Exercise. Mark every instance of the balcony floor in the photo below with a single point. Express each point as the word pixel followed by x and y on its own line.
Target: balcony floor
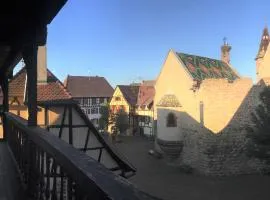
pixel 10 187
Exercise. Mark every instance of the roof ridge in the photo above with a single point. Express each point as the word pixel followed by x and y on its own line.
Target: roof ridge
pixel 64 89
pixel 18 73
pixel 96 76
pixel 199 56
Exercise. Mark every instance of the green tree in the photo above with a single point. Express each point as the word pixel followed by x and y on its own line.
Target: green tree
pixel 259 133
pixel 104 118
pixel 121 121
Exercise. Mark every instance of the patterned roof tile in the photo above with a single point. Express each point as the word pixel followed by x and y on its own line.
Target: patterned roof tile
pixel 201 67
pixel 169 100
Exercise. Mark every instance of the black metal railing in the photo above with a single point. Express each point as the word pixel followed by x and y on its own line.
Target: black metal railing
pixel 52 169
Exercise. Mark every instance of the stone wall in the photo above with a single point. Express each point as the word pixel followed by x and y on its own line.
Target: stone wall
pixel 224 153
pixel 219 155
pixel 221 100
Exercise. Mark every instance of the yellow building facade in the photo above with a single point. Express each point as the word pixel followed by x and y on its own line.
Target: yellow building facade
pixel 124 98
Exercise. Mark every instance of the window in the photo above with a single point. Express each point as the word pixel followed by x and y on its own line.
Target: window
pixel 147 119
pixel 94 110
pixel 88 111
pixel 94 101
pixel 113 108
pixel 171 120
pixel 142 119
pixel 97 99
pixel 101 100
pixel 84 110
pixel 85 101
pixel 122 108
pixel 117 98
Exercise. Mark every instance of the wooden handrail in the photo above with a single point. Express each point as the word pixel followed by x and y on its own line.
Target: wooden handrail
pixel 92 178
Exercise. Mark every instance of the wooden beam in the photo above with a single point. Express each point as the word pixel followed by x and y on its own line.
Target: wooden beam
pixel 87 140
pixel 70 132
pixel 62 122
pixel 46 118
pixel 30 59
pixel 67 126
pixel 4 85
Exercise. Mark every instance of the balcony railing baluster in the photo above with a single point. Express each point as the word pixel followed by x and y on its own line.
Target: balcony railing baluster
pixel 51 169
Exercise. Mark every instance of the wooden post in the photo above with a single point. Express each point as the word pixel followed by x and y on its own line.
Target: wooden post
pixel 46 118
pixel 4 85
pixel 30 58
pixel 70 135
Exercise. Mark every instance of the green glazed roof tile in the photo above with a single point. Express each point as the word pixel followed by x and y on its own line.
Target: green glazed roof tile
pixel 201 67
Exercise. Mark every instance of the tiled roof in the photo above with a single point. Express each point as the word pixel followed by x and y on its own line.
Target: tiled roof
pixel 54 90
pixel 17 84
pixel 146 95
pixel 88 86
pixel 201 67
pixel 130 92
pixel 169 100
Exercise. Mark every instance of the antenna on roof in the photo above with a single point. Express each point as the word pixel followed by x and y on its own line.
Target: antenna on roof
pixel 89 74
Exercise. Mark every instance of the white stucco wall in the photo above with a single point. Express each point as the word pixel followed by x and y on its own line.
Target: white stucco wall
pixel 164 132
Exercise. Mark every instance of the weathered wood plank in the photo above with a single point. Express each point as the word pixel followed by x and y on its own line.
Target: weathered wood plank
pixel 10 186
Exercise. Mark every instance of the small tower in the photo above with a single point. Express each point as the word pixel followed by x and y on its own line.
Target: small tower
pixel 225 51
pixel 261 71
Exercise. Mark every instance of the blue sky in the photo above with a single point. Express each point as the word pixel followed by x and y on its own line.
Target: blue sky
pixel 127 41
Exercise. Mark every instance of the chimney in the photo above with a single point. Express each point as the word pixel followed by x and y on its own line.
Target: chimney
pixel 225 51
pixel 42 65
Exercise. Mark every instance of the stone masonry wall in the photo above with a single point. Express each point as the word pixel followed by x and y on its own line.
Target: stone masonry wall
pixel 223 153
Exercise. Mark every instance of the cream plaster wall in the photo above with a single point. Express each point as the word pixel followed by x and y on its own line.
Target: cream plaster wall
pixel 221 101
pixel 263 66
pixel 122 102
pixel 164 132
pixel 175 79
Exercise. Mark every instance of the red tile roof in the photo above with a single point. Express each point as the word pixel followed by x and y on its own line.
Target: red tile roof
pixel 88 86
pixel 17 84
pixel 146 94
pixel 53 91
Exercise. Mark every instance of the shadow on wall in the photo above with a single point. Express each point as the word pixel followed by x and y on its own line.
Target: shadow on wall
pixel 191 143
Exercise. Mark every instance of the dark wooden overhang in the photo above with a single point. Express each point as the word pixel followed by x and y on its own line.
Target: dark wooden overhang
pixel 23 22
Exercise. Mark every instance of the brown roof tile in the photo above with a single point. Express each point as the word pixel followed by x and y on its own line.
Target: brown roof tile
pixel 17 84
pixel 54 90
pixel 130 93
pixel 146 95
pixel 88 86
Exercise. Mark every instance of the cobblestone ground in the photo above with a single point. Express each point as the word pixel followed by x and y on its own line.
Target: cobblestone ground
pixel 168 182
